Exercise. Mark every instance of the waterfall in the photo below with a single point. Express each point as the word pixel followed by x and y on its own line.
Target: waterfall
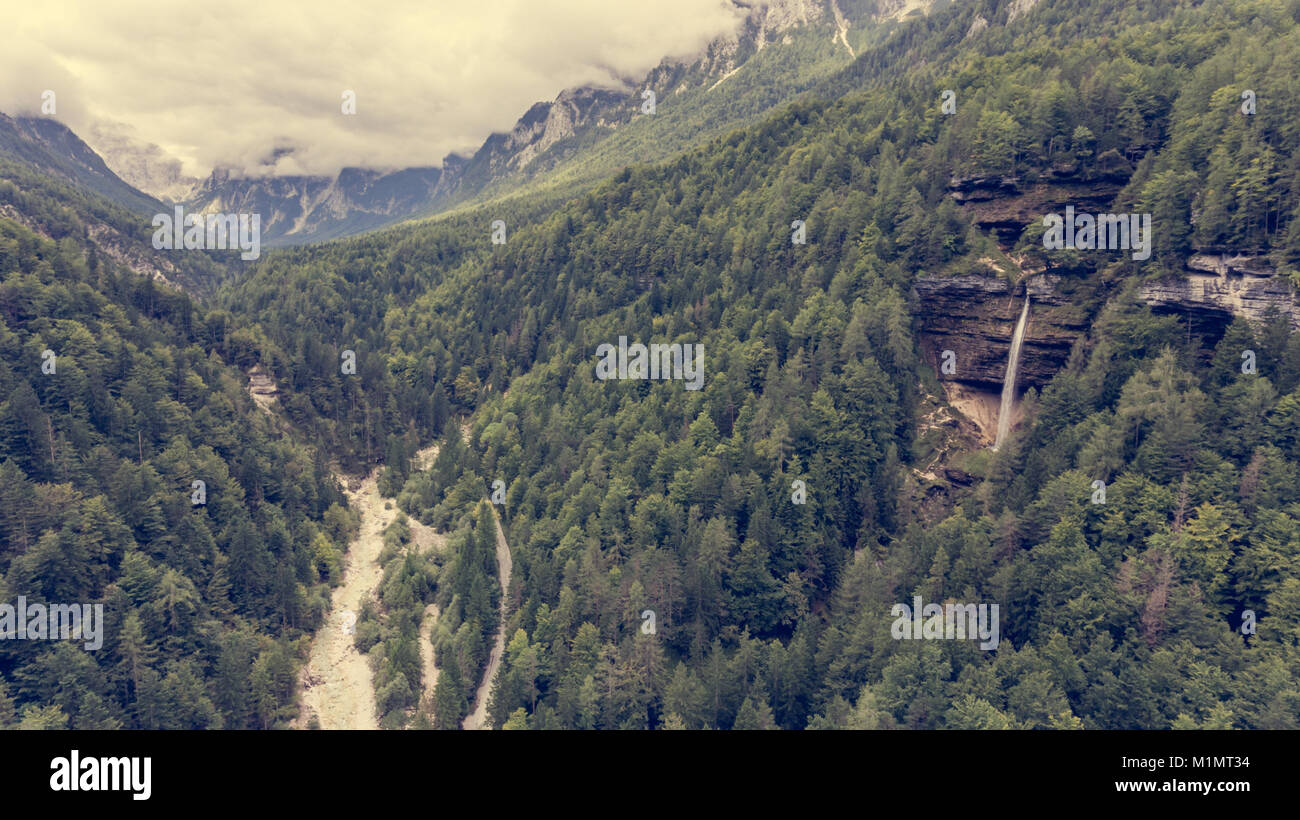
pixel 1009 383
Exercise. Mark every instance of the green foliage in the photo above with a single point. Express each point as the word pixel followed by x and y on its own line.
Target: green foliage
pixel 390 632
pixel 623 497
pixel 203 604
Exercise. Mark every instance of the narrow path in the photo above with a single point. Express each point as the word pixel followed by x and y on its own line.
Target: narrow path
pixel 477 719
pixel 427 539
pixel 426 657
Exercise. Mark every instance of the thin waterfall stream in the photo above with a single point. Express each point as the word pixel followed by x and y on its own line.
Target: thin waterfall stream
pixel 1009 383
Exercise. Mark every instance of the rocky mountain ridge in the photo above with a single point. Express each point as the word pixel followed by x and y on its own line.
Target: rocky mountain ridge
pixel 48 146
pixel 313 208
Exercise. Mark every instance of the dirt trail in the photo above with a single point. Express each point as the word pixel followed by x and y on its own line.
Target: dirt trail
pixel 477 719
pixel 337 684
pixel 424 539
pixel 426 656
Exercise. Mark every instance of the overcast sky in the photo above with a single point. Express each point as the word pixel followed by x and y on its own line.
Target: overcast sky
pixel 222 84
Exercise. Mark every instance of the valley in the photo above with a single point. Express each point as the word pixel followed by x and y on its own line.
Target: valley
pixel 337 687
pixel 927 392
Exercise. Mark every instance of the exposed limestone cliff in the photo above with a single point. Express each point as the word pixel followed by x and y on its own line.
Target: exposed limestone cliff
pixel 1006 205
pixel 1217 287
pixel 975 316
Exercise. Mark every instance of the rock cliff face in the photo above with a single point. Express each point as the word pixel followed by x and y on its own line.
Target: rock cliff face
pixel 307 208
pixel 1006 205
pixel 141 164
pixel 573 113
pixel 1217 287
pixel 975 317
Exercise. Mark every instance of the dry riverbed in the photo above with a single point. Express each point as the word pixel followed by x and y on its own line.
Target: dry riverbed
pixel 337 683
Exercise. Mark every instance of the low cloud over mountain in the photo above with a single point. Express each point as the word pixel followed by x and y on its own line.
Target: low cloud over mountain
pixel 220 86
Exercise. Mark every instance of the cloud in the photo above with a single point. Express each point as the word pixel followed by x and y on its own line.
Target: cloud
pixel 225 84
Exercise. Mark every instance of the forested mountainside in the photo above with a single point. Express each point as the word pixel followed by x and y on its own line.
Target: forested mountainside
pixel 586 134
pixel 49 147
pixel 117 395
pixel 849 270
pixel 80 218
pixel 626 497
